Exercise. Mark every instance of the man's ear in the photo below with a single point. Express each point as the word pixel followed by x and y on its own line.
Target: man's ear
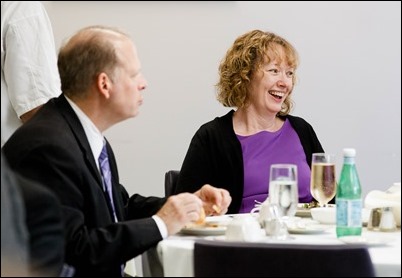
pixel 104 84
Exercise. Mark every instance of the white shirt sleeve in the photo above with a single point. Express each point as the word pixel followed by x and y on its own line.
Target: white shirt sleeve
pixel 30 64
pixel 161 226
pixel 30 76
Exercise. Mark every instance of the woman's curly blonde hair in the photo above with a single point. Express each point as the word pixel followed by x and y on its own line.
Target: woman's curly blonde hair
pixel 247 55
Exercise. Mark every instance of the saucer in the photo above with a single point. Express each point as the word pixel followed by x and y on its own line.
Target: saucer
pixel 361 240
pixel 204 231
pixel 308 230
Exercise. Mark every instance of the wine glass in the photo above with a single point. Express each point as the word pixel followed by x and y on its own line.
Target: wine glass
pixel 323 182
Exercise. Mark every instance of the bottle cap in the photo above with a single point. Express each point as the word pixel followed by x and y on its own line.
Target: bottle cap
pixel 349 152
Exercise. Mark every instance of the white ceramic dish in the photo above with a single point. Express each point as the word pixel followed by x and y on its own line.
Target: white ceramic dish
pixel 361 240
pixel 221 220
pixel 243 228
pixel 308 230
pixel 204 231
pixel 324 215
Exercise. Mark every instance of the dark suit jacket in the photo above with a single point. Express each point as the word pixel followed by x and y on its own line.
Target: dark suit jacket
pixel 52 148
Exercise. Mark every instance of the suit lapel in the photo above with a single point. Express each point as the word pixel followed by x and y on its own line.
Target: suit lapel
pixel 79 133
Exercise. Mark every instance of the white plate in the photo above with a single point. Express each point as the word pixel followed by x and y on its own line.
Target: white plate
pixel 204 231
pixel 371 241
pixel 308 230
pixel 220 220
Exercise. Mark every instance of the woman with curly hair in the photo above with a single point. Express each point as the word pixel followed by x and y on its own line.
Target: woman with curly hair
pixel 235 151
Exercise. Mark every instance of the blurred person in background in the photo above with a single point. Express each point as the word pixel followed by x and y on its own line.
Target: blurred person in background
pixel 14 232
pixel 32 230
pixel 235 151
pixel 29 78
pixel 63 147
pixel 29 75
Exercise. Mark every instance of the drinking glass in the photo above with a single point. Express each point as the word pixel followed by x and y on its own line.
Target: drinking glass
pixel 323 182
pixel 283 199
pixel 283 191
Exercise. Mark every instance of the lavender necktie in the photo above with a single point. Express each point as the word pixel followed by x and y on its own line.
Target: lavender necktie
pixel 107 185
pixel 107 178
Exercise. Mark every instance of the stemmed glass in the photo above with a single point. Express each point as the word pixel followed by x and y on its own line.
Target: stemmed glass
pixel 283 198
pixel 323 182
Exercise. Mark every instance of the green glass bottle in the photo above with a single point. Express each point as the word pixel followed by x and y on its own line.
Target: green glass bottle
pixel 348 198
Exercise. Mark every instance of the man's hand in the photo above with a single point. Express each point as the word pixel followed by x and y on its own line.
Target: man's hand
pixel 215 200
pixel 180 210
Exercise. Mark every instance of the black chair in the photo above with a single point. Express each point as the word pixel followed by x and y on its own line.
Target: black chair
pixel 246 259
pixel 171 178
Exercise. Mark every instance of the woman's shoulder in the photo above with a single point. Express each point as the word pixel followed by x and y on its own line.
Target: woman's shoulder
pixel 219 122
pixel 218 127
pixel 297 121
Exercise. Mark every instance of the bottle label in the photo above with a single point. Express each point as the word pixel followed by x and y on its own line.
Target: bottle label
pixel 348 213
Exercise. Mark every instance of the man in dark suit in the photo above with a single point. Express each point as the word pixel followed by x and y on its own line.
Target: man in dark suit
pixel 60 146
pixel 32 235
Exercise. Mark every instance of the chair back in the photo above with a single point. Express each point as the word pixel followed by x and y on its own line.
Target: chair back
pixel 247 259
pixel 171 178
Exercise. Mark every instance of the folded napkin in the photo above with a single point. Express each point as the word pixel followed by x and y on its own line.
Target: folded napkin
pixel 389 198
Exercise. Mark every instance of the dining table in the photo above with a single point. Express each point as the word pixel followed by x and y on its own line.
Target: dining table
pixel 173 256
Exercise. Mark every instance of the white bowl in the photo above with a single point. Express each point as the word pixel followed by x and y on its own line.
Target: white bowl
pixel 326 215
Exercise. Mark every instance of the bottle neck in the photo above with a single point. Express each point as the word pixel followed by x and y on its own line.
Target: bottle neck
pixel 348 160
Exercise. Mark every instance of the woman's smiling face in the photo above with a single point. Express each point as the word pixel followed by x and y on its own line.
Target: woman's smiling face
pixel 270 85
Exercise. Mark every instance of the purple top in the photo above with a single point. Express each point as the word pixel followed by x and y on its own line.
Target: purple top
pixel 264 148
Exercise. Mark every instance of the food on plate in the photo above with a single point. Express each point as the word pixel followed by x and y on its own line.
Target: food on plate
pixel 201 219
pixel 216 208
pixel 204 222
pixel 310 205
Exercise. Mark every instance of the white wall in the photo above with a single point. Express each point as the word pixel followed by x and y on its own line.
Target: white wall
pixel 349 80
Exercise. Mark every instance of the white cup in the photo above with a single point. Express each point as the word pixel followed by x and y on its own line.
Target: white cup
pixel 243 228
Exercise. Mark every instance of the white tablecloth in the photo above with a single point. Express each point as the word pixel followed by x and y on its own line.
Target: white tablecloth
pixel 173 256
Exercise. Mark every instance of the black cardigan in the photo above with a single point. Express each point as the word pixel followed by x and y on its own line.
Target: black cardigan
pixel 215 157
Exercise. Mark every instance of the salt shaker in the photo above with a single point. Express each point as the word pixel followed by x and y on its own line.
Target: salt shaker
pixel 387 222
